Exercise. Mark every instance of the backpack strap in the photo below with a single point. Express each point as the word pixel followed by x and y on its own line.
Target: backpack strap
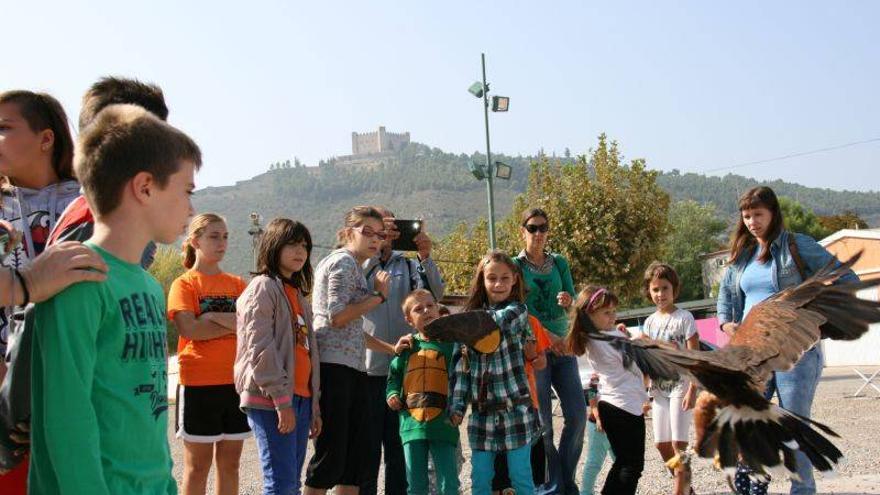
pixel 796 256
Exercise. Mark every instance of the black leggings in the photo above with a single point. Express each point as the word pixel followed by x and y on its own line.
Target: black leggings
pixel 626 434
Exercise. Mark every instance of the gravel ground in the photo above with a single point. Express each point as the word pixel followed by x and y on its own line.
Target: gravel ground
pixel 857 420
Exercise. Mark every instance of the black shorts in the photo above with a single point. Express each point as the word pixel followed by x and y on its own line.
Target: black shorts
pixel 341 446
pixel 210 413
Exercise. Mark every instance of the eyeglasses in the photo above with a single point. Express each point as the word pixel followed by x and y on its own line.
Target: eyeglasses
pixel 370 234
pixel 533 228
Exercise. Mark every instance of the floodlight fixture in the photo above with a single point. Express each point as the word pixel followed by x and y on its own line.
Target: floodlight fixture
pixel 503 170
pixel 477 170
pixel 500 103
pixel 477 89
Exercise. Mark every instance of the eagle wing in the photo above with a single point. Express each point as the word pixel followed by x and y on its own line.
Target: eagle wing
pixel 779 330
pixel 474 328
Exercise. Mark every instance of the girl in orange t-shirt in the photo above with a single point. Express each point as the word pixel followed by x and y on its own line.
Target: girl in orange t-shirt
pixel 201 303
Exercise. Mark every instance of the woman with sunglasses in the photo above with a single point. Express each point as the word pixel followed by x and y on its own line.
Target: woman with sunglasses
pixel 341 299
pixel 550 291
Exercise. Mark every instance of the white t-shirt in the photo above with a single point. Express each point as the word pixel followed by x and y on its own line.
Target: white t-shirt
pixel 621 387
pixel 676 327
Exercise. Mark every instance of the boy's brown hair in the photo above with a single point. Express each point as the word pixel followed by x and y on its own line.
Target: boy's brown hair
pixel 410 300
pixel 123 141
pixel 117 90
pixel 662 271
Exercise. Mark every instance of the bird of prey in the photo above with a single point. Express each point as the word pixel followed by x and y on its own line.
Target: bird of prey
pixel 474 328
pixel 732 420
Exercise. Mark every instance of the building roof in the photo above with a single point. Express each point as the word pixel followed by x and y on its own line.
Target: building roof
pixel 871 234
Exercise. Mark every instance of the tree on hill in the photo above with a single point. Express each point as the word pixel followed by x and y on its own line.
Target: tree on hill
pixel 801 219
pixel 846 220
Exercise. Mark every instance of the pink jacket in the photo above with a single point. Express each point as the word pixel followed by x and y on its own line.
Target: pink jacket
pixel 264 358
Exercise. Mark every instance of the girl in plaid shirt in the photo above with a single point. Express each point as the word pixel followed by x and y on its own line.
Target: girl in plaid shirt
pixel 503 419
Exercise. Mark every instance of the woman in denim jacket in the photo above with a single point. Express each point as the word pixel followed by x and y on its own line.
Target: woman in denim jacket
pixel 765 259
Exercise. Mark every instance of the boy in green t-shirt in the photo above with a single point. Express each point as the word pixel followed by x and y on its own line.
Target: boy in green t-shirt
pixel 99 390
pixel 418 387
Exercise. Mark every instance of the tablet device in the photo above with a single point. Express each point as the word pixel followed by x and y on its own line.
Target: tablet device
pixel 408 229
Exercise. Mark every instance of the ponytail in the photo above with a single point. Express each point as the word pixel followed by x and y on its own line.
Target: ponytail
pixel 189 254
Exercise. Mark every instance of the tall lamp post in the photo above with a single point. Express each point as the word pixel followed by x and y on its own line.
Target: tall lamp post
pixel 489 170
pixel 255 231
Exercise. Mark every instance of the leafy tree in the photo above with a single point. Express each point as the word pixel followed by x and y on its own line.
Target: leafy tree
pixel 167 266
pixel 695 230
pixel 846 220
pixel 802 220
pixel 296 162
pixel 608 219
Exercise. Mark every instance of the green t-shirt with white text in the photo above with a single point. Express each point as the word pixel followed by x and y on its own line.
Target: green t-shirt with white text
pixel 99 387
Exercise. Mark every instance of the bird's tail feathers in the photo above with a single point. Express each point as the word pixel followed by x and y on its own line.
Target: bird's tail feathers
pixel 766 440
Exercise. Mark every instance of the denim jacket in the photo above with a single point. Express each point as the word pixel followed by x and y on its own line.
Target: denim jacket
pixel 731 298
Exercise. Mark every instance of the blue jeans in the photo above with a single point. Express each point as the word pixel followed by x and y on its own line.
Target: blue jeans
pixel 796 389
pixel 598 449
pixel 519 465
pixel 562 374
pixel 281 456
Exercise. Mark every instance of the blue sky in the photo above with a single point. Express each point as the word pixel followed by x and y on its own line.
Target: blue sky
pixel 688 85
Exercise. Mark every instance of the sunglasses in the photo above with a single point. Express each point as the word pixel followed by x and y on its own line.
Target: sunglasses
pixel 370 234
pixel 532 228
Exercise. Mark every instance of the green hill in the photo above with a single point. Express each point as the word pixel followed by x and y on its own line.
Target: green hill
pixel 425 182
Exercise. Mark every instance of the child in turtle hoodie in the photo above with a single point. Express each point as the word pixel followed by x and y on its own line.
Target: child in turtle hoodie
pixel 418 387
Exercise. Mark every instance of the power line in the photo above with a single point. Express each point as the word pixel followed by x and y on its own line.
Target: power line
pixel 793 155
pixel 436 260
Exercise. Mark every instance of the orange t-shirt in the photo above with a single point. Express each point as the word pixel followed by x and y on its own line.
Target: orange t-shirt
pixel 205 362
pixel 542 342
pixel 302 372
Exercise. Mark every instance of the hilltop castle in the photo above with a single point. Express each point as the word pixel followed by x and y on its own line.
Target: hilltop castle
pixel 377 142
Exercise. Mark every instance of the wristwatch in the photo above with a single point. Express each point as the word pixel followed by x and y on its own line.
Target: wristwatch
pixel 381 296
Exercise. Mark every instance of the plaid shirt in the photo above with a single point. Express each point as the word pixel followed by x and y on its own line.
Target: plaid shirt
pixel 497 384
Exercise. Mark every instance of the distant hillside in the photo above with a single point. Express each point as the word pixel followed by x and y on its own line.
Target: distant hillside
pixel 426 182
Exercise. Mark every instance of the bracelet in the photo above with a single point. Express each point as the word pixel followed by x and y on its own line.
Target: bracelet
pixel 381 296
pixel 24 287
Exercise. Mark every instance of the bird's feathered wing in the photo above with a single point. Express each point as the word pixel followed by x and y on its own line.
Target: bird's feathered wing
pixel 474 328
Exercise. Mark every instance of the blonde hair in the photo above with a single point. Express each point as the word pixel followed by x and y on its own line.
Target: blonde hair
pixel 196 228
